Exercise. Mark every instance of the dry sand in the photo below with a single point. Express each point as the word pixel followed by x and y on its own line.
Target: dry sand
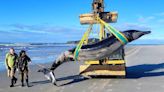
pixel 145 73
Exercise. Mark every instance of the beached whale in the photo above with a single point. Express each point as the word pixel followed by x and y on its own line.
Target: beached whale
pixel 98 50
pixel 104 48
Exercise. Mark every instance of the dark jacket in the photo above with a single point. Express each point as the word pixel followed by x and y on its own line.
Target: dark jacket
pixel 23 62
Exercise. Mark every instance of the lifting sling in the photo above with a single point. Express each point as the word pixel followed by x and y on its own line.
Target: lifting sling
pixel 111 29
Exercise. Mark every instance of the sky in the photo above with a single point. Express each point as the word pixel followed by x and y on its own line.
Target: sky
pixel 24 21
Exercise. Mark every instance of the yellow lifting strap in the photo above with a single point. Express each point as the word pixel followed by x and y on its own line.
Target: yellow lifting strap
pixel 111 29
pixel 114 31
pixel 85 37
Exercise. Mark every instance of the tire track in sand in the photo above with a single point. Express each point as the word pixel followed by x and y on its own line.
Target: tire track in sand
pixel 133 51
pixel 100 86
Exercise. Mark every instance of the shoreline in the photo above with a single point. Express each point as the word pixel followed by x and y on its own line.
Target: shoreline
pixel 145 73
pixel 3 68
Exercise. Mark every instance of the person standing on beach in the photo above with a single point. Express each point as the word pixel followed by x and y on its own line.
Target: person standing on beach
pixel 11 64
pixel 23 66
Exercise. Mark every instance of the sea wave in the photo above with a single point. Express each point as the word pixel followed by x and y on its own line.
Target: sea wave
pixel 39 53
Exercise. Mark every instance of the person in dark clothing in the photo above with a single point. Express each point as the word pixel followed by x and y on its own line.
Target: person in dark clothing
pixel 23 66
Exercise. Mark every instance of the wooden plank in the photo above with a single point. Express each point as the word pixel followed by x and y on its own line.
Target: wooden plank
pixel 92 62
pixel 104 73
pixel 113 62
pixel 92 68
pixel 87 19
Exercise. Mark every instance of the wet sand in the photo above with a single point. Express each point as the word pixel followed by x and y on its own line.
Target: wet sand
pixel 145 73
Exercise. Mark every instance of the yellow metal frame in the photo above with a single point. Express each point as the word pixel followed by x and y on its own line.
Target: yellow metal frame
pixel 102 35
pixel 102 32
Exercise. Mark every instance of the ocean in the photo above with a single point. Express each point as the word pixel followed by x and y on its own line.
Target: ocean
pixel 39 53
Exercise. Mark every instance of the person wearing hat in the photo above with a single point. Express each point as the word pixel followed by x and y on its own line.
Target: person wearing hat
pixel 23 66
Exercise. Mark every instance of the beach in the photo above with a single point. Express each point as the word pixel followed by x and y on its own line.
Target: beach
pixel 145 73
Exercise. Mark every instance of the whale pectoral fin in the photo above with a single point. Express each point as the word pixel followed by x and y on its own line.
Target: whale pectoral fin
pixel 48 74
pixel 44 70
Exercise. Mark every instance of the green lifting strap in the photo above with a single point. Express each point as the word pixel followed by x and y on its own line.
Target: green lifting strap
pixel 114 31
pixel 86 34
pixel 111 29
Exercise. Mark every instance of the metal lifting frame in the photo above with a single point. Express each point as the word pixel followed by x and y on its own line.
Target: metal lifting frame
pixel 103 24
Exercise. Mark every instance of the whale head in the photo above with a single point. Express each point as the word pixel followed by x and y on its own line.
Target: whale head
pixel 134 34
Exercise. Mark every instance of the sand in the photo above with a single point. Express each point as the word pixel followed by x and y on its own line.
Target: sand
pixel 145 73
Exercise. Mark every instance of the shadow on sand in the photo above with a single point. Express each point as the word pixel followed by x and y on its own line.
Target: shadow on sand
pixel 145 70
pixel 74 79
pixel 133 72
pixel 40 82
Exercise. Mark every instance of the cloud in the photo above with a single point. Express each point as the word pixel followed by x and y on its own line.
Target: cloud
pixel 39 28
pixel 33 28
pixel 38 33
pixel 156 19
pixel 146 19
pixel 129 26
pixel 160 14
pixel 160 21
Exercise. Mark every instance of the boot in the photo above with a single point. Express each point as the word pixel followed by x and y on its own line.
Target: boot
pixel 27 83
pixel 14 80
pixel 22 83
pixel 12 83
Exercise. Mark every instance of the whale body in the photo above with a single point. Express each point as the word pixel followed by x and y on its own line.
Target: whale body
pixel 107 46
pixel 95 51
